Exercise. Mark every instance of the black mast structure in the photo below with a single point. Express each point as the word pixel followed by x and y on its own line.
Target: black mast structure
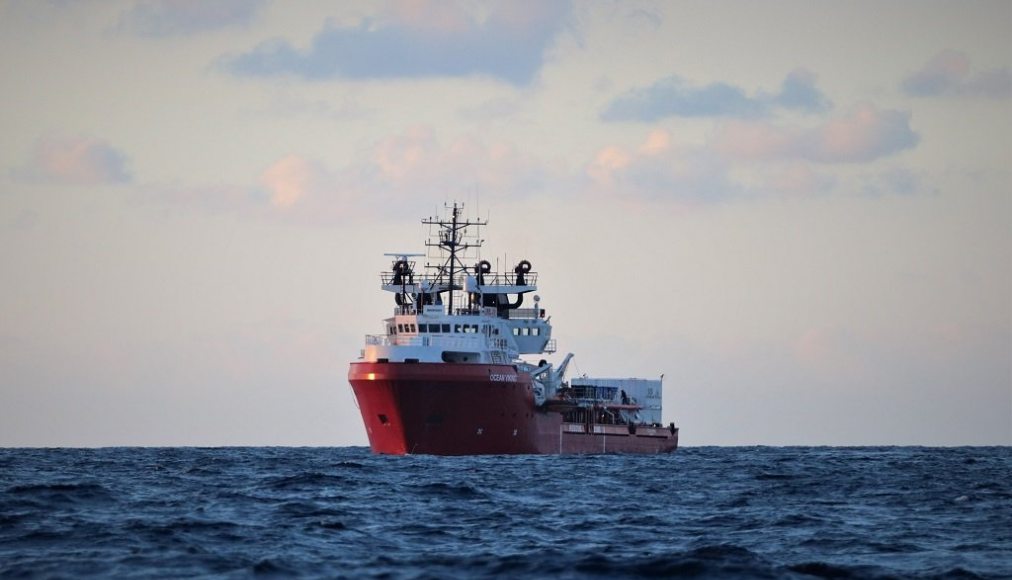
pixel 451 238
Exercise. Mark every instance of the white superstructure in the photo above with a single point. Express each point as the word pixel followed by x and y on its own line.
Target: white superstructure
pixel 452 313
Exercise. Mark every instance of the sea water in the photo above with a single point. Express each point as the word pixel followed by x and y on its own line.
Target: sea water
pixel 762 512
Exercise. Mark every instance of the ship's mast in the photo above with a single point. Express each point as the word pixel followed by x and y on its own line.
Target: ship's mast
pixel 451 238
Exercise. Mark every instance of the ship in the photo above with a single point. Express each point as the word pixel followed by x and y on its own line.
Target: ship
pixel 452 373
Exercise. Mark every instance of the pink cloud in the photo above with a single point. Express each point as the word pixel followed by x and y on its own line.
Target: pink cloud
pixel 607 164
pixel 416 162
pixel 402 174
pixel 658 169
pixel 75 161
pixel 866 134
pixel 657 142
pixel 744 140
pixel 411 154
pixel 290 180
pixel 798 178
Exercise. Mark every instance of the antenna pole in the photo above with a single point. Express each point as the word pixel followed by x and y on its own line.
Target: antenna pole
pixel 453 252
pixel 450 238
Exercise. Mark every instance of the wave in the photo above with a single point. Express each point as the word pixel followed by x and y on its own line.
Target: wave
pixel 704 512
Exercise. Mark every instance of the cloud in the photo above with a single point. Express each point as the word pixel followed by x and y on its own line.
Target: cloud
pixel 659 170
pixel 797 178
pixel 291 179
pixel 894 181
pixel 400 175
pixel 674 97
pixel 419 39
pixel 948 74
pixel 417 163
pixel 866 134
pixel 754 160
pixel 405 173
pixel 75 161
pixel 160 18
pixel 798 92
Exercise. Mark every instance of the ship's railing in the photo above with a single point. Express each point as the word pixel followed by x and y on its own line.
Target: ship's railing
pixel 525 313
pixel 514 314
pixel 390 278
pixel 497 279
pixel 476 341
pixel 551 347
pixel 425 281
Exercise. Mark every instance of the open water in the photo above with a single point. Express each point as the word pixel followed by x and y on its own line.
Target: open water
pixel 756 512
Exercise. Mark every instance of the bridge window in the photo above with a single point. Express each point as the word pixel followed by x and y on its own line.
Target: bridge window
pixel 400 328
pixel 446 328
pixel 423 328
pixel 516 332
pixel 535 331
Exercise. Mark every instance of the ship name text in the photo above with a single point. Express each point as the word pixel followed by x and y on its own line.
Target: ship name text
pixel 502 378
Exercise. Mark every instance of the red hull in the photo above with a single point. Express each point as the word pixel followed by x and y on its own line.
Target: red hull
pixel 475 409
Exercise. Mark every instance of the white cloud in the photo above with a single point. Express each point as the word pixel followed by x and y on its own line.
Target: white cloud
pixel 420 39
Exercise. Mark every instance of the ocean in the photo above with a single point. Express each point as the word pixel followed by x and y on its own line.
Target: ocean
pixel 721 512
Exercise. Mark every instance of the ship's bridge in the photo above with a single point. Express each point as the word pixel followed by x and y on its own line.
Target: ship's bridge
pixel 456 312
pixel 482 336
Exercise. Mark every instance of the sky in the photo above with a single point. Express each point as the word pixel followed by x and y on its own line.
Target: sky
pixel 800 213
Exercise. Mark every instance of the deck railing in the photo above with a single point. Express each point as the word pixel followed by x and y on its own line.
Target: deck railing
pixel 419 282
pixel 472 342
pixel 525 313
